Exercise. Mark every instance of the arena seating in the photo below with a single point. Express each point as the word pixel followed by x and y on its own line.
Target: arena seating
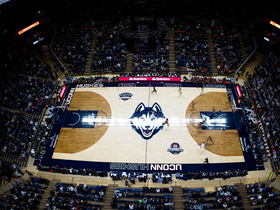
pixel 17 133
pixel 210 175
pixel 227 50
pixel 110 53
pixel 262 196
pixel 263 91
pixel 76 49
pixel 226 196
pixel 25 196
pixel 145 62
pixel 27 94
pixel 143 198
pixel 33 66
pixel 191 51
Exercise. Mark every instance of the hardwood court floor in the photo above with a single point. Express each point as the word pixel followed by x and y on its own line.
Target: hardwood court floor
pixel 226 142
pixel 121 143
pixel 74 140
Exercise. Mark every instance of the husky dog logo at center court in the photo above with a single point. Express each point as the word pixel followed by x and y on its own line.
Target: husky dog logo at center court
pixel 147 121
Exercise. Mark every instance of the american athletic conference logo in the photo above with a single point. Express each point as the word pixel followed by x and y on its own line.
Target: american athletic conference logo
pixel 147 121
pixel 175 149
pixel 125 96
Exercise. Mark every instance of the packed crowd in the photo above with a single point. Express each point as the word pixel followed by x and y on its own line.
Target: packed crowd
pixel 264 92
pixel 17 133
pixel 42 136
pixel 58 42
pixel 263 195
pixel 259 144
pixel 145 62
pixel 56 202
pixel 77 49
pixel 192 50
pixel 110 53
pixel 97 80
pixel 247 38
pixel 206 80
pixel 25 196
pixel 33 66
pixel 210 175
pixel 64 170
pixel 139 200
pixel 163 178
pixel 74 191
pixel 26 93
pixel 225 197
pixel 227 50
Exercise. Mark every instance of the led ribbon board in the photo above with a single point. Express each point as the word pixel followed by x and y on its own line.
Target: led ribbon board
pixel 151 79
pixel 28 28
pixel 275 24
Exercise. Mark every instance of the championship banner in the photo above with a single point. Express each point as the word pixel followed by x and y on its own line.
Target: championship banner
pixel 150 79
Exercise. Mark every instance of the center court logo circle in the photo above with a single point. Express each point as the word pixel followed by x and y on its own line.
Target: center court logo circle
pixel 147 121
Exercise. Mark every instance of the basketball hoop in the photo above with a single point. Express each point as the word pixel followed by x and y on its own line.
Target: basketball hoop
pixel 62 108
pixel 234 109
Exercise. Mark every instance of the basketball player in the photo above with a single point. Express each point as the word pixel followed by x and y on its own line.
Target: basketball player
pixel 203 145
pixel 193 104
pixel 210 139
pixel 206 161
pixel 214 112
pixel 180 91
pixel 202 89
pixel 166 122
pixel 154 90
pixel 201 124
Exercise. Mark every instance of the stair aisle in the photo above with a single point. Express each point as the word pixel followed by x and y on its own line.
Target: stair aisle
pixel 128 68
pixel 90 55
pixel 44 198
pixel 172 66
pixel 108 196
pixel 212 54
pixel 244 195
pixel 178 200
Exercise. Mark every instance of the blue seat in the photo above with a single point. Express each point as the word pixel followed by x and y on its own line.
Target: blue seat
pixel 81 185
pixel 193 190
pixel 170 196
pixel 166 196
pixel 202 190
pixel 207 206
pixel 189 195
pixel 133 190
pixel 198 190
pixel 189 190
pixel 119 206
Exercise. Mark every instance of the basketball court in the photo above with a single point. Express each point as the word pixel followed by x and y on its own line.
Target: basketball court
pixel 125 125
